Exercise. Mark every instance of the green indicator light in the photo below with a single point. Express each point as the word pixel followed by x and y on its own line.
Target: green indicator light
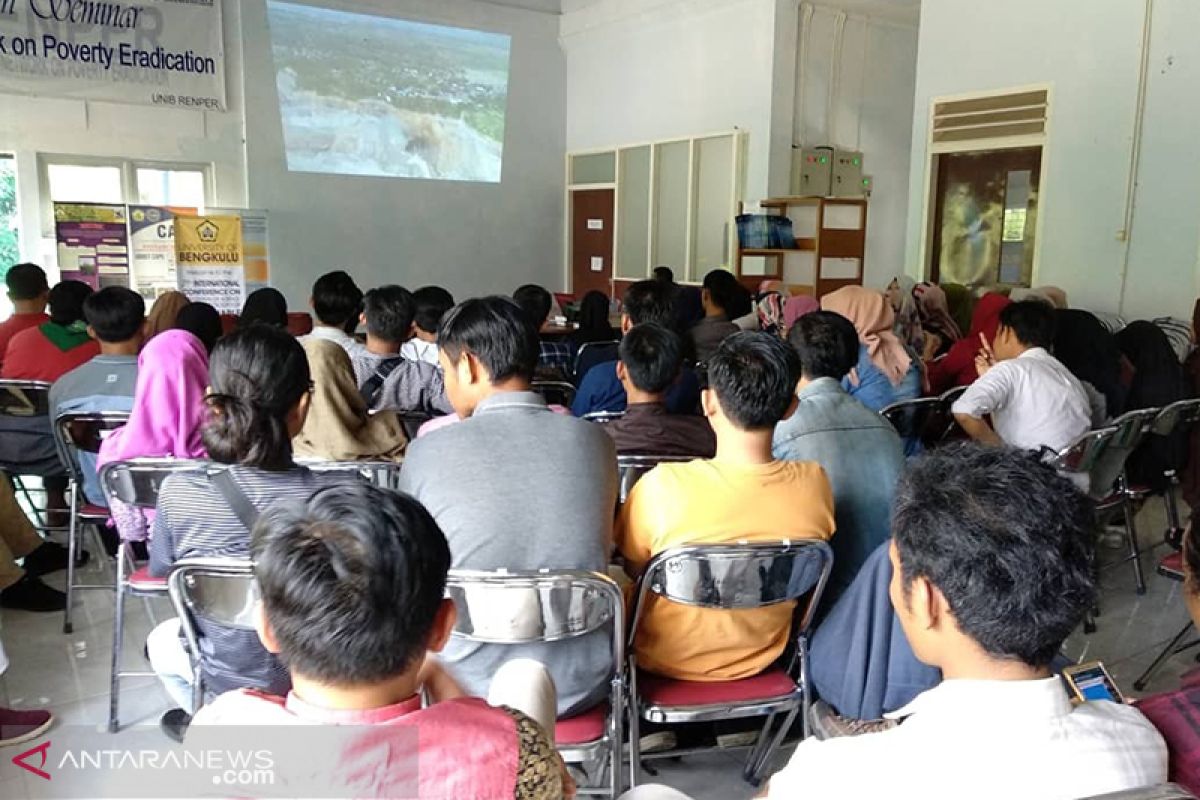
pixel 824 160
pixel 856 162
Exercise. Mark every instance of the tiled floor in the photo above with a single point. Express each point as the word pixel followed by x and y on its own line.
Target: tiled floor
pixel 70 673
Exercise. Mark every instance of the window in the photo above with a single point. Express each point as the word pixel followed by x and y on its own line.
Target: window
pixel 85 183
pixel 83 179
pixel 10 252
pixel 170 187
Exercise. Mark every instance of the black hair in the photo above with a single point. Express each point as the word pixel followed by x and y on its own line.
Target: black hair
pixel 754 375
pixel 664 274
pixel 337 300
pixel 432 304
pixel 652 356
pixel 202 321
pixel 1005 539
pixel 1091 353
pixel 351 581
pixel 265 306
pixel 389 311
pixel 257 375
pixel 66 301
pixel 593 319
pixel 536 302
pixel 826 343
pixel 1031 321
pixel 115 313
pixel 25 281
pixel 722 289
pixel 651 302
pixel 495 330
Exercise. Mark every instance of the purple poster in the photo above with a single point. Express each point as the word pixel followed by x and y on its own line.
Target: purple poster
pixel 93 243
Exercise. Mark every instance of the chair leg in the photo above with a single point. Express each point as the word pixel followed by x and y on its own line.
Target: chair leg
pixel 1168 651
pixel 72 536
pixel 760 745
pixel 114 688
pixel 758 771
pixel 635 755
pixel 1135 554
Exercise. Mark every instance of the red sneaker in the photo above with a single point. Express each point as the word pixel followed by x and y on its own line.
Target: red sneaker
pixel 20 726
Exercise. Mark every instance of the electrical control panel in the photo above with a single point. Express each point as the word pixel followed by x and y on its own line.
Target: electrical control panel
pixel 847 174
pixel 813 171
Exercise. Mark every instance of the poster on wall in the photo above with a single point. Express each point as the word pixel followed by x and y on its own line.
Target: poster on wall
pixel 156 52
pixel 256 250
pixel 208 258
pixel 152 248
pixel 93 243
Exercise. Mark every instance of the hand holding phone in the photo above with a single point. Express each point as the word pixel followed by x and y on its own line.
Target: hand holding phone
pixel 1091 681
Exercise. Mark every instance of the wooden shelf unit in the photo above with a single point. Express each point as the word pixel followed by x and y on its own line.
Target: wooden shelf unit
pixel 829 242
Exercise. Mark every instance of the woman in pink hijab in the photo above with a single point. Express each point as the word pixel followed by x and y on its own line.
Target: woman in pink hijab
pixel 886 372
pixel 796 307
pixel 168 411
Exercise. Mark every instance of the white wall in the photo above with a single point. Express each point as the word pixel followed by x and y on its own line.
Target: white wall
pixel 871 107
pixel 469 237
pixel 1089 53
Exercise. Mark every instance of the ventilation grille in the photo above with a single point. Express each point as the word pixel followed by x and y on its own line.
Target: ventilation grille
pixel 992 117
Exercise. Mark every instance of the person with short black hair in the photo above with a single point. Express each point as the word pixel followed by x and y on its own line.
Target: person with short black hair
pixel 743 494
pixel 55 347
pixel 664 274
pixel 337 303
pixel 432 303
pixel 259 387
pixel 352 582
pixel 511 451
pixel 991 570
pixel 1034 401
pixel 650 360
pixel 859 450
pixel 28 292
pixel 601 389
pixel 554 355
pixel 265 306
pixel 389 381
pixel 202 321
pixel 116 319
pixel 719 294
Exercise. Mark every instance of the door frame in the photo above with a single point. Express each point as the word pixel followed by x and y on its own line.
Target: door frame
pixel 569 237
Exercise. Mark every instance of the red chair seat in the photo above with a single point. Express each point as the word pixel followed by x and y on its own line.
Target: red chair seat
pixel 92 511
pixel 582 728
pixel 659 691
pixel 141 580
pixel 1171 566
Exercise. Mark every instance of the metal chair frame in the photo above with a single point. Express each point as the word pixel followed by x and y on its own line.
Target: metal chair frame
pixel 384 474
pixel 630 470
pixel 603 606
pixel 1176 419
pixel 687 575
pixel 603 417
pixel 70 442
pixel 613 343
pixel 135 483
pixel 34 398
pixel 1164 791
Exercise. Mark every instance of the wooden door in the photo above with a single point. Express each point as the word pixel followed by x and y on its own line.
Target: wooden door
pixel 591 241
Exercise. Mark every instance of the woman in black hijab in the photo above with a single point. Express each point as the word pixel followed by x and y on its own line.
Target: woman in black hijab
pixel 1090 352
pixel 1158 381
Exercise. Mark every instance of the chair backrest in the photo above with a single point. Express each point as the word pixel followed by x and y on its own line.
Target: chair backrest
pixel 1179 333
pixel 592 353
pixel 1130 428
pixel 950 428
pixel 630 470
pixel 519 607
pixel 138 482
pixel 602 417
pixel 1178 417
pixel 1165 791
pixel 384 474
pixel 739 576
pixel 1081 456
pixel 24 398
pixel 412 421
pixel 83 433
pixel 555 392
pixel 919 419
pixel 217 590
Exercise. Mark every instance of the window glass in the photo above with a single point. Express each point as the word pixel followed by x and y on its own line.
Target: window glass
pixel 85 184
pixel 171 187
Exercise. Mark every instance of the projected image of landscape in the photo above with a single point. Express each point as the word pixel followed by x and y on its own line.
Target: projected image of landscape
pixel 368 95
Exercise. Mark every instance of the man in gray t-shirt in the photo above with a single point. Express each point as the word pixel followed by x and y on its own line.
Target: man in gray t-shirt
pixel 515 486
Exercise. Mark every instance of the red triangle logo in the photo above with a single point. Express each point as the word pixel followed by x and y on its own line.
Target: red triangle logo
pixel 41 750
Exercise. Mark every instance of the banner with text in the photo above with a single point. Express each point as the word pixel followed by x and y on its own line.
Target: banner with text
pixel 255 245
pixel 157 52
pixel 93 243
pixel 152 248
pixel 208 261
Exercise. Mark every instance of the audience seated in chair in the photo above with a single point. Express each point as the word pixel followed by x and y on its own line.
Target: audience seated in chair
pixel 352 583
pixel 265 306
pixel 1085 346
pixel 554 355
pixel 515 485
pixel 651 357
pixel 1158 381
pixel 432 303
pixel 202 321
pixel 859 450
pixel 601 388
pixel 21 587
pixel 743 494
pixel 1034 401
pixel 941 331
pixel 594 326
pixel 18 724
pixel 718 295
pixel 115 317
pixel 164 314
pixel 165 421
pixel 258 401
pixel 907 323
pixel 957 366
pixel 28 292
pixel 336 302
pixel 389 381
pixel 1177 714
pixel 992 570
pixel 338 427
pixel 886 372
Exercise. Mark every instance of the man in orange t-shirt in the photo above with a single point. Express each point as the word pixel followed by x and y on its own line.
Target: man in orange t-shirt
pixel 28 290
pixel 743 494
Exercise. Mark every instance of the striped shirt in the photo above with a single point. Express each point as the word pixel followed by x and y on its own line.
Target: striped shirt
pixel 195 520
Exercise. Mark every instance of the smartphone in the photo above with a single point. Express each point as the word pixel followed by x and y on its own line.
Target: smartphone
pixel 1091 681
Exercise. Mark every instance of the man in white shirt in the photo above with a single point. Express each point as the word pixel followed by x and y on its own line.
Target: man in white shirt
pixel 432 303
pixel 336 302
pixel 991 572
pixel 1034 400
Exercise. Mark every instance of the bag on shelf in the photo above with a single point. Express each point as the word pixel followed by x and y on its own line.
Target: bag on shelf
pixel 754 231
